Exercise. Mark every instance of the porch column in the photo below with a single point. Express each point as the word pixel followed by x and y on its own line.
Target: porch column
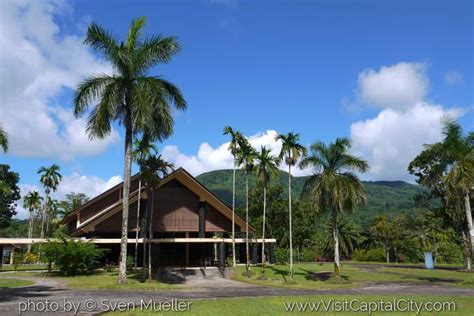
pixel 255 253
pixel 202 220
pixel 271 252
pixel 12 255
pixel 186 250
pixel 222 255
pixel 1 257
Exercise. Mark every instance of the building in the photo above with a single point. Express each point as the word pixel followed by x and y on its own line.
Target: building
pixel 191 226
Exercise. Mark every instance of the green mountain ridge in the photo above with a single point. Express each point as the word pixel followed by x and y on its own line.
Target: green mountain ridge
pixel 383 197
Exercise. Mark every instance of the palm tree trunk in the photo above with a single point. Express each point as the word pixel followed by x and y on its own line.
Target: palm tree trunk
pixel 466 250
pixel 125 205
pixel 467 206
pixel 247 256
pixel 138 221
pixel 145 226
pixel 150 234
pixel 290 222
pixel 335 234
pixel 263 226
pixel 233 218
pixel 30 229
pixel 43 216
pixel 387 255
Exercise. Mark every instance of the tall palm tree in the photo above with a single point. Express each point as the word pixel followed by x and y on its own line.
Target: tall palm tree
pixel 50 178
pixel 153 169
pixel 236 136
pixel 291 152
pixel 333 185
pixel 32 201
pixel 3 139
pixel 246 158
pixel 266 168
pixel 136 100
pixel 143 149
pixel 459 180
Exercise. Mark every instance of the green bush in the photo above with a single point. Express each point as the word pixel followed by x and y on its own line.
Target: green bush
pixel 72 257
pixel 373 255
pixel 282 255
pixel 130 263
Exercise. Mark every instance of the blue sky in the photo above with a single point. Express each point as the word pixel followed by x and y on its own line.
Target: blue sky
pixel 360 69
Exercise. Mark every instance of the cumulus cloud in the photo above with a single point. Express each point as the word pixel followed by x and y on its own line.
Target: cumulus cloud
pixel 38 62
pixel 90 185
pixel 209 158
pixel 453 78
pixel 392 139
pixel 399 86
pixel 407 120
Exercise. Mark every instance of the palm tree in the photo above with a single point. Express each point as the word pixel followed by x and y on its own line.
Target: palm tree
pixel 143 149
pixel 459 180
pixel 136 100
pixel 333 185
pixel 50 178
pixel 291 152
pixel 153 170
pixel 245 158
pixel 266 167
pixel 31 201
pixel 3 139
pixel 233 147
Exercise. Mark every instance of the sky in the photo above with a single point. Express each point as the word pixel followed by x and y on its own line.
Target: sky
pixel 383 73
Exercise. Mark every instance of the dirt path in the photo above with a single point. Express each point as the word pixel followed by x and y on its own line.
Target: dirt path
pixel 54 291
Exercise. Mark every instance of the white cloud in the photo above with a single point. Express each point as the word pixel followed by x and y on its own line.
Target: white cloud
pixel 392 139
pixel 38 62
pixel 399 86
pixel 454 78
pixel 90 185
pixel 209 158
pixel 407 121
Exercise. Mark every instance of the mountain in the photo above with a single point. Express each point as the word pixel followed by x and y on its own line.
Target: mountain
pixel 383 197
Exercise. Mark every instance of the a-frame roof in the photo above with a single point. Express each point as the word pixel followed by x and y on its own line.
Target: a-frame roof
pixel 186 179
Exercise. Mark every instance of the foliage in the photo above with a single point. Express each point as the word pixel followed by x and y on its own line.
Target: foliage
pixel 130 262
pixel 369 255
pixel 3 139
pixel 9 194
pixel 282 255
pixel 29 258
pixel 73 257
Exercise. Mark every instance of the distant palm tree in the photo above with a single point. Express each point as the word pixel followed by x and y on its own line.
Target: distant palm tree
pixel 291 152
pixel 236 136
pixel 153 169
pixel 143 149
pixel 3 139
pixel 246 158
pixel 52 219
pixel 333 185
pixel 131 97
pixel 32 201
pixel 50 178
pixel 266 167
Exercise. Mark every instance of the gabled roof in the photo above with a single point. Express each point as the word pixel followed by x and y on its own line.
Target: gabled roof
pixel 185 178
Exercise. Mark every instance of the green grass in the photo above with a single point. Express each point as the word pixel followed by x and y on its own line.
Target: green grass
pixel 313 275
pixel 8 283
pixel 275 305
pixel 24 267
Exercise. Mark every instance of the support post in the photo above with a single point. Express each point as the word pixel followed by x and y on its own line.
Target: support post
pixel 254 253
pixel 202 220
pixel 222 255
pixel 271 253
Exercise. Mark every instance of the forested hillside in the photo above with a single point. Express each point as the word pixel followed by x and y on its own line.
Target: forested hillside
pixel 384 197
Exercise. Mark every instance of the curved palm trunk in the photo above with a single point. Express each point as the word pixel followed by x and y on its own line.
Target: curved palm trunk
pixel 247 257
pixel 467 206
pixel 138 221
pixel 335 234
pixel 45 211
pixel 125 205
pixel 233 217
pixel 263 227
pixel 466 250
pixel 30 229
pixel 290 222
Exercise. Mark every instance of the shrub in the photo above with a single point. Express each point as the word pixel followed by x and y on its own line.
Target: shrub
pixel 130 263
pixel 29 258
pixel 373 254
pixel 282 255
pixel 73 257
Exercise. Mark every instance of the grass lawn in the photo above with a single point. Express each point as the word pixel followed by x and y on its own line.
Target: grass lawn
pixel 8 283
pixel 275 305
pixel 103 281
pixel 314 275
pixel 25 267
